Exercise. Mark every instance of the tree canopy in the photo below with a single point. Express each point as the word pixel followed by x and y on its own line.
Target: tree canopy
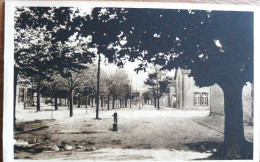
pixel 207 41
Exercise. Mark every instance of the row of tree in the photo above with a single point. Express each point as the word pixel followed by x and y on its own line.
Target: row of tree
pixel 115 86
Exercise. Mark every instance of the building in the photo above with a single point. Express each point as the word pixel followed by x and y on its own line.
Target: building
pixel 188 95
pixel 191 97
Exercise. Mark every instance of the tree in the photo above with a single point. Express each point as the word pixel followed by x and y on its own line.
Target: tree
pixel 71 80
pixel 217 46
pixel 34 31
pixel 118 86
pixel 31 57
pixel 54 89
pixel 122 86
pixel 100 26
pixel 110 90
pixel 159 82
pixel 147 96
pixel 135 94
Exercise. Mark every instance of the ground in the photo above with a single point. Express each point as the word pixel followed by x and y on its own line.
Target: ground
pixel 143 134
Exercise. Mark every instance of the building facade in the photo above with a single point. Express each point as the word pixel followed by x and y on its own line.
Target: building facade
pixel 191 97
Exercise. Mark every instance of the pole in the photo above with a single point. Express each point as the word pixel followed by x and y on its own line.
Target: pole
pixel 98 77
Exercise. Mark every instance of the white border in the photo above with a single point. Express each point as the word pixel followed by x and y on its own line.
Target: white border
pixel 8 150
pixel 125 4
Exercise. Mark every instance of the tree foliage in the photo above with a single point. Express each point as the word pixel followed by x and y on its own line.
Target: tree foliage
pixel 158 80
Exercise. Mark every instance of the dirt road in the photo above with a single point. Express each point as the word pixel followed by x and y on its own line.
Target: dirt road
pixel 145 134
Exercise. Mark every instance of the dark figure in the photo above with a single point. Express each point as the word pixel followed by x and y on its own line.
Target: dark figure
pixel 115 118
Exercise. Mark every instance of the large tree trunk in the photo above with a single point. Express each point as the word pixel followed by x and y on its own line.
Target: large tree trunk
pixel 71 102
pixel 235 146
pixel 38 98
pixel 125 102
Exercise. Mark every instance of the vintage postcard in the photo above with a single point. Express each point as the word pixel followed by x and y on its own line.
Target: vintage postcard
pixel 130 81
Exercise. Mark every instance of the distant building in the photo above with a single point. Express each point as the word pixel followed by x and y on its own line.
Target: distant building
pixel 25 95
pixel 169 99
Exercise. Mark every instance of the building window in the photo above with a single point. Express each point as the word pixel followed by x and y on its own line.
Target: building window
pixel 200 98
pixel 204 99
pixel 197 99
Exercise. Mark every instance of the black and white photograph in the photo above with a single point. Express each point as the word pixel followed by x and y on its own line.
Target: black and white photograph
pixel 132 82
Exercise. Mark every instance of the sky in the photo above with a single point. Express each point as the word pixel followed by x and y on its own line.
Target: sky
pixel 137 80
